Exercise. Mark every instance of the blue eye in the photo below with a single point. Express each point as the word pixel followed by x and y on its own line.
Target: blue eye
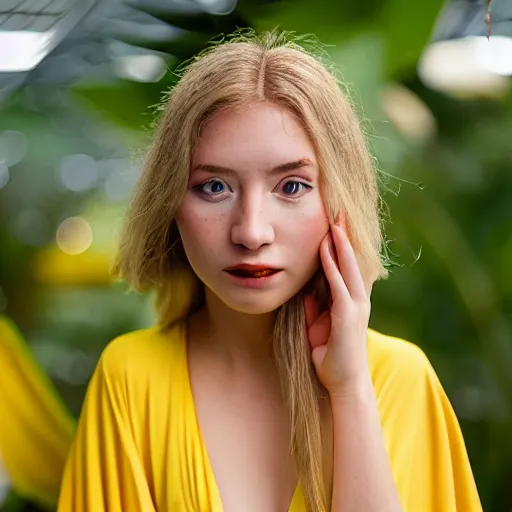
pixel 212 187
pixel 294 188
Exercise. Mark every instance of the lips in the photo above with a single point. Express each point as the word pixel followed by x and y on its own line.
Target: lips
pixel 252 271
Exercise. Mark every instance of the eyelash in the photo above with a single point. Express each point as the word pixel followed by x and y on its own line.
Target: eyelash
pixel 200 188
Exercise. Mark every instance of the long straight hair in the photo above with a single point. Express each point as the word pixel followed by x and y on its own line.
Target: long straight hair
pixel 248 69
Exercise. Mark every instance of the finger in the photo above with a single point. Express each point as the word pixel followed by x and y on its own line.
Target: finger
pixel 331 270
pixel 311 309
pixel 318 355
pixel 348 264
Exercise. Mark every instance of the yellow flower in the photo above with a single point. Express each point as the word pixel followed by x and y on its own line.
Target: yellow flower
pixel 36 429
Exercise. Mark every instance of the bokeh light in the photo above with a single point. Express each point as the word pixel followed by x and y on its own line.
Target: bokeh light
pixel 121 175
pixel 74 236
pixel 471 66
pixel 13 147
pixel 140 68
pixel 408 113
pixel 78 172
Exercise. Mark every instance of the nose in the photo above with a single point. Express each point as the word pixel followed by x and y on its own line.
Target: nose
pixel 252 227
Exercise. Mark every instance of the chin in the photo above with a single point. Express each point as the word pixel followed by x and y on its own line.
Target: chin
pixel 256 301
pixel 256 305
pixel 253 308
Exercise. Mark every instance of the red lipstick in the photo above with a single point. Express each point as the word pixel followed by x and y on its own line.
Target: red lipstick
pixel 245 270
pixel 253 273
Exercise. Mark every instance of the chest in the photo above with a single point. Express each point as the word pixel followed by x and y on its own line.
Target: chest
pixel 245 432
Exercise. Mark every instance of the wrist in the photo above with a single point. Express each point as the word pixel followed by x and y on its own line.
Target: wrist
pixel 360 389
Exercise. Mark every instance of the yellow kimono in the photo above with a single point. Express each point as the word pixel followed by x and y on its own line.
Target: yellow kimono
pixel 139 447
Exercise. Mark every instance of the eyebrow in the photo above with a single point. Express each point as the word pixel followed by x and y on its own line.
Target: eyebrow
pixel 278 169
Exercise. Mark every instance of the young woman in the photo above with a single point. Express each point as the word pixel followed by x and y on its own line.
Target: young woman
pixel 261 388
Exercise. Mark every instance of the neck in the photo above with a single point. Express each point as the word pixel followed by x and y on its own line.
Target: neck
pixel 236 337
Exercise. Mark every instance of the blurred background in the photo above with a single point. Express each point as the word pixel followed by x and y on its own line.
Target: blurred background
pixel 78 79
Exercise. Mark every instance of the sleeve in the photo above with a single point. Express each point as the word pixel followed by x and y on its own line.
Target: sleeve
pixel 424 441
pixel 104 471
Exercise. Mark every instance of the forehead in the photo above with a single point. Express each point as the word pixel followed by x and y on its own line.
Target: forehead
pixel 253 138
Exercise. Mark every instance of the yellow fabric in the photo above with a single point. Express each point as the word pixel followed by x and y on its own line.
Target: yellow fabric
pixel 139 447
pixel 36 430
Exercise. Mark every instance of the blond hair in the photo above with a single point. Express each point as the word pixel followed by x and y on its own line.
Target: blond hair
pixel 248 69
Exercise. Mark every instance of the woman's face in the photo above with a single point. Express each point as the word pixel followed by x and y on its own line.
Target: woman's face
pixel 253 218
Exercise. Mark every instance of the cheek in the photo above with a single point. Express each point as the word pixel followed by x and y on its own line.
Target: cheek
pixel 311 228
pixel 310 234
pixel 199 230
